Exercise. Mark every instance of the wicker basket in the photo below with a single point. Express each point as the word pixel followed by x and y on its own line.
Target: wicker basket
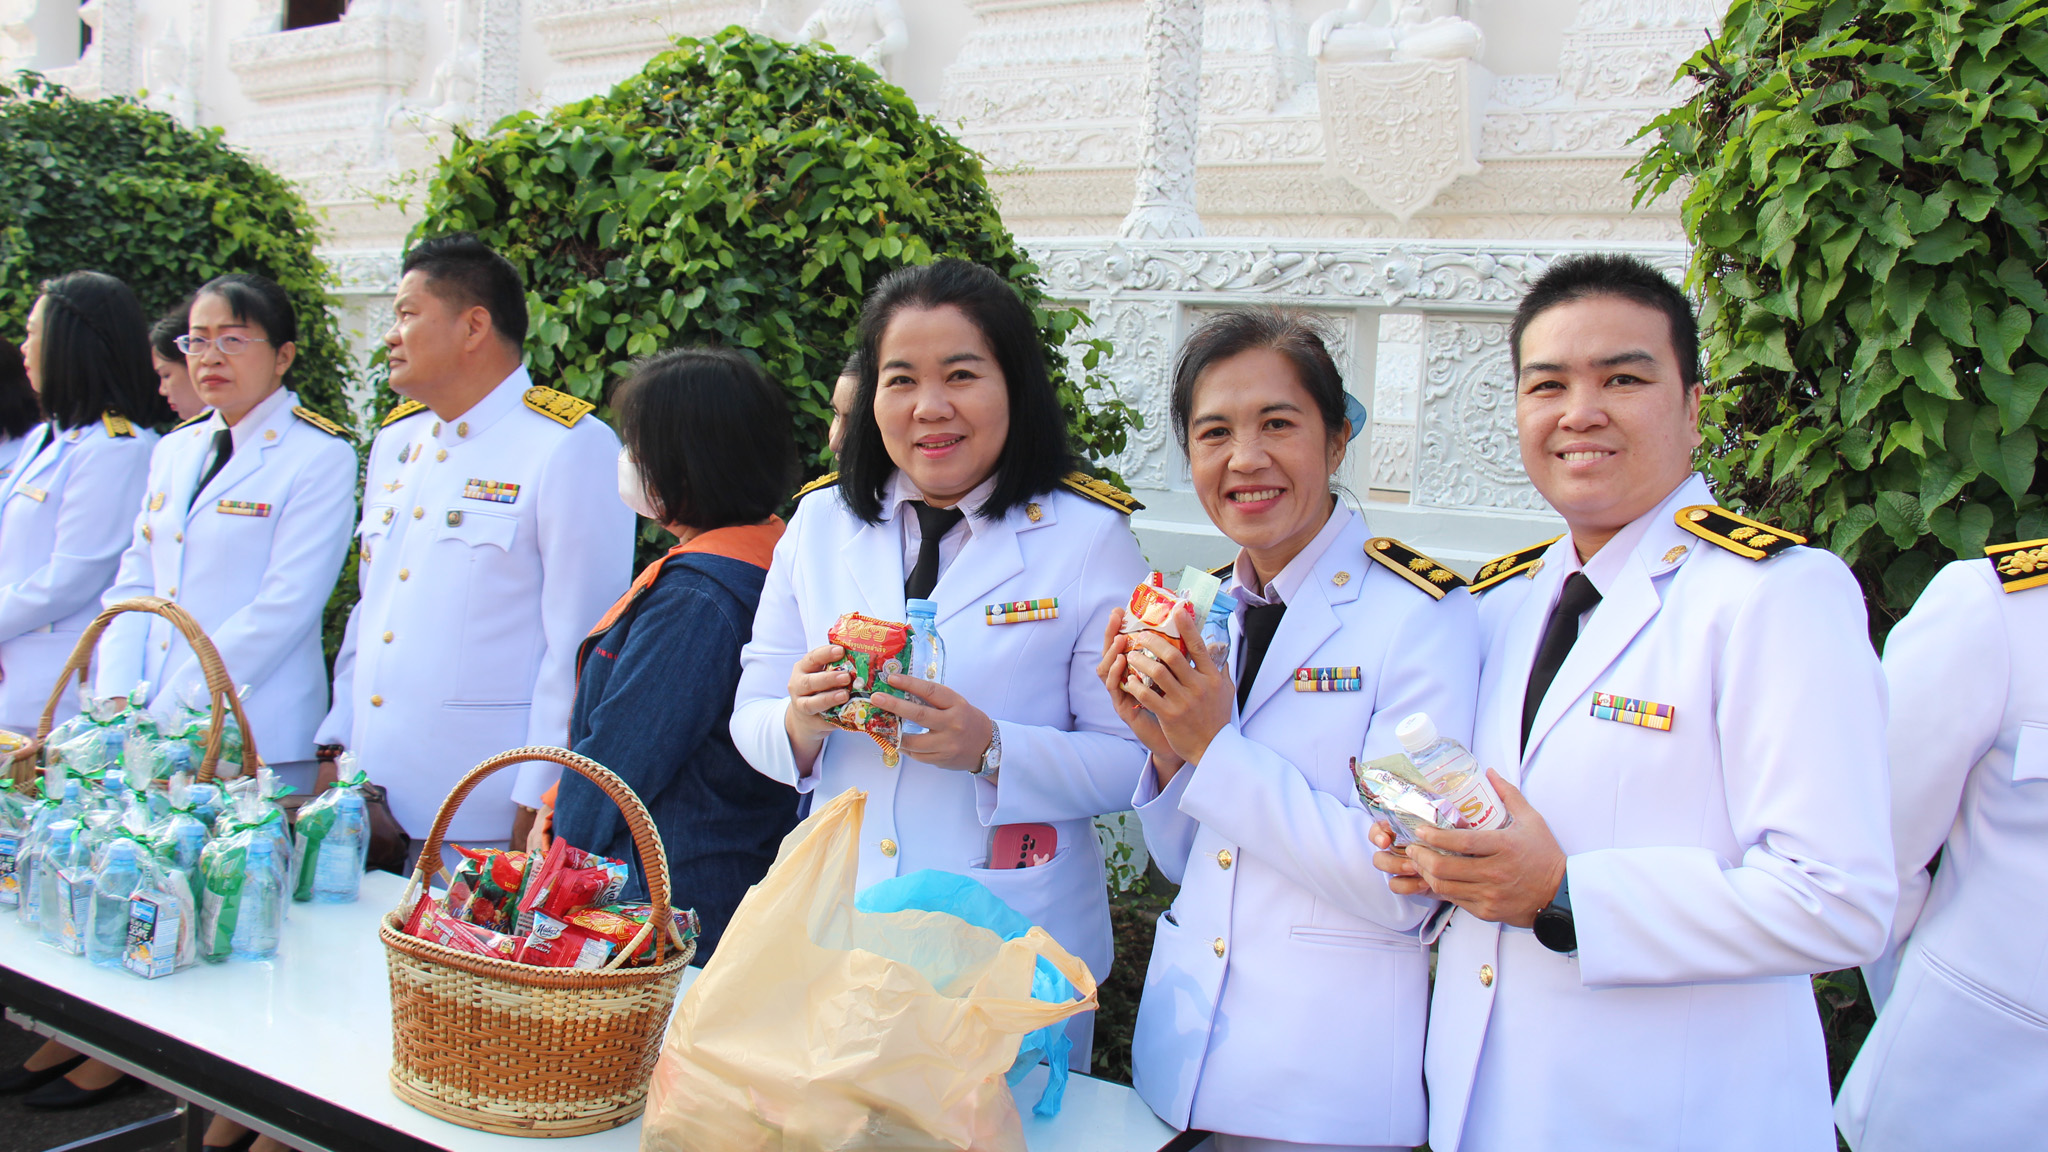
pixel 520 1050
pixel 220 688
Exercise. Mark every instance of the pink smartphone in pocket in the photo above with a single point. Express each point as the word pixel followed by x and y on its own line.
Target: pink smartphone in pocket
pixel 1023 845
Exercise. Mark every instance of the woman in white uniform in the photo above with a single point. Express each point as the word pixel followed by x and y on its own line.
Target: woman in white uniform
pixel 77 479
pixel 173 375
pixel 1288 990
pixel 957 488
pixel 245 525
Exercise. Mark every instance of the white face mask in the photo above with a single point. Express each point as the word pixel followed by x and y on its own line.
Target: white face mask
pixel 633 488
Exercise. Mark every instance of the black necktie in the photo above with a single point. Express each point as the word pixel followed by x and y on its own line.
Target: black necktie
pixel 1260 622
pixel 1559 634
pixel 932 526
pixel 223 447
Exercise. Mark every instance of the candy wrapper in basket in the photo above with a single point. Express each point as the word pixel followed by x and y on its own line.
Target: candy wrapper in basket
pixel 333 841
pixel 875 651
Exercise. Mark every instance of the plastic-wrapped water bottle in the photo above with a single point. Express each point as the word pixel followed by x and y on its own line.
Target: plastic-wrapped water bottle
pixel 338 872
pixel 1216 630
pixel 927 650
pixel 119 877
pixel 32 865
pixel 1452 773
pixel 66 885
pixel 259 917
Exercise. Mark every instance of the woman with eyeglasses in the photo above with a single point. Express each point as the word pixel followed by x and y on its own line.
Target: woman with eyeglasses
pixel 244 524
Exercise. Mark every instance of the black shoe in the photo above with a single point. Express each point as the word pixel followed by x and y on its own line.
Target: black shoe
pixel 62 1095
pixel 22 1080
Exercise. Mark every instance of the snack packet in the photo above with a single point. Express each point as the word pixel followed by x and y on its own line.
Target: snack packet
pixel 1395 789
pixel 622 923
pixel 1154 606
pixel 432 923
pixel 875 650
pixel 14 820
pixel 557 944
pixel 485 888
pixel 569 879
pixel 163 925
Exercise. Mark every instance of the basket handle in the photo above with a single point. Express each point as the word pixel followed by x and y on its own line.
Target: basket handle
pixel 647 841
pixel 220 688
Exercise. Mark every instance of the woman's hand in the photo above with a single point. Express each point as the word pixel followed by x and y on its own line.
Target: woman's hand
pixel 957 733
pixel 814 686
pixel 1189 695
pixel 1112 670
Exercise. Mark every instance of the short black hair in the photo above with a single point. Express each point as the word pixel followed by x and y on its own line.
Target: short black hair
pixel 254 299
pixel 711 436
pixel 1294 335
pixel 95 353
pixel 1036 455
pixel 163 335
pixel 470 273
pixel 852 365
pixel 1591 274
pixel 19 408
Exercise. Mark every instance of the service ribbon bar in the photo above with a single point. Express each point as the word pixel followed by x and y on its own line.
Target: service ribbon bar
pixel 496 491
pixel 1622 710
pixel 242 508
pixel 1329 680
pixel 1019 611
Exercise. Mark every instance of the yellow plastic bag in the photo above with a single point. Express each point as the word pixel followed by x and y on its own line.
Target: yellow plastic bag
pixel 817 1026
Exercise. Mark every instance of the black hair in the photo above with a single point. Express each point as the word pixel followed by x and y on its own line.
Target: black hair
pixel 711 437
pixel 256 300
pixel 163 335
pixel 1590 274
pixel 1293 335
pixel 1036 454
pixel 465 271
pixel 95 353
pixel 852 365
pixel 19 408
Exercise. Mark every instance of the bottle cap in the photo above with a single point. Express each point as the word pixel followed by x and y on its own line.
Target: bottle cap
pixel 921 607
pixel 1416 732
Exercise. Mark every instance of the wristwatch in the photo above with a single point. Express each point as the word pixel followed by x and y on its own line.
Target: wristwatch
pixel 992 756
pixel 1554 927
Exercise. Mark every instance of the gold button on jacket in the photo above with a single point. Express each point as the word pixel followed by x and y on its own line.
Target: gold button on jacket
pixel 888 848
pixel 1486 975
pixel 1223 859
pixel 1219 946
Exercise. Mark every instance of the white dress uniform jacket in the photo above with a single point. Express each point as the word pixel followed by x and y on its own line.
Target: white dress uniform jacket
pixel 1712 867
pixel 1959 1055
pixel 65 514
pixel 1288 987
pixel 253 557
pixel 1066 757
pixel 491 544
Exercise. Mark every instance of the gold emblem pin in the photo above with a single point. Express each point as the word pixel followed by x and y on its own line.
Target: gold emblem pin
pixel 270 433
pixel 1676 554
pixel 1034 513
pixel 462 429
pixel 1341 579
pixel 156 502
pixel 437 427
pixel 1696 515
pixel 455 519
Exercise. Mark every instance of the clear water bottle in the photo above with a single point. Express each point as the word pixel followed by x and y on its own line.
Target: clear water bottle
pixel 35 846
pixel 338 871
pixel 1216 630
pixel 927 650
pixel 119 877
pixel 1452 773
pixel 66 885
pixel 259 917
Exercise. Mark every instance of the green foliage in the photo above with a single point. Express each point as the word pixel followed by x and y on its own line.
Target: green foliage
pixel 1864 187
pixel 740 192
pixel 112 186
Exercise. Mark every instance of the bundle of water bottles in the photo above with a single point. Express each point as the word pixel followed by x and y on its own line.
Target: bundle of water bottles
pixel 156 879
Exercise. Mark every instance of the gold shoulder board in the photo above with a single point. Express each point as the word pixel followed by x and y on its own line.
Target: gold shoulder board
pixel 1750 539
pixel 401 412
pixel 117 424
pixel 320 422
pixel 560 407
pixel 1224 572
pixel 1413 566
pixel 2020 566
pixel 1102 492
pixel 194 420
pixel 825 481
pixel 1500 568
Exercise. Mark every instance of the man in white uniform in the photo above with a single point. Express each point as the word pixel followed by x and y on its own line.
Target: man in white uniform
pixel 1688 721
pixel 492 540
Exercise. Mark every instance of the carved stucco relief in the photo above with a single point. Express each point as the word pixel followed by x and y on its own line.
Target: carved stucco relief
pixel 1469 457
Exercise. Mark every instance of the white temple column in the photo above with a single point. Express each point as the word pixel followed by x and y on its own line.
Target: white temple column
pixel 1164 205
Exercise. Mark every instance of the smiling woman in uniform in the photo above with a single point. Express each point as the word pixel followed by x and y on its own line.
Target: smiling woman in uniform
pixel 245 525
pixel 1284 1006
pixel 958 488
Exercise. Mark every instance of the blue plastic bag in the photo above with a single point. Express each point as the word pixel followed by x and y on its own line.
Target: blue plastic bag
pixel 930 890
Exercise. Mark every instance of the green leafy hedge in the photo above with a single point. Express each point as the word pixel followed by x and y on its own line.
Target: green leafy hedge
pixel 113 186
pixel 738 192
pixel 1865 191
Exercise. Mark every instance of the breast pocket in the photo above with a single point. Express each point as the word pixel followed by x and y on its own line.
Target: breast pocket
pixel 478 529
pixel 375 526
pixel 2030 755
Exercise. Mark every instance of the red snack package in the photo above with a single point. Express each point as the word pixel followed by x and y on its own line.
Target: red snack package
pixel 493 877
pixel 1152 608
pixel 618 924
pixel 430 923
pixel 554 944
pixel 875 651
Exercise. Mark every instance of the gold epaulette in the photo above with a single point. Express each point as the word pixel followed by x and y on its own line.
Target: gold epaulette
pixel 1224 572
pixel 193 420
pixel 320 422
pixel 1102 492
pixel 1499 568
pixel 1413 566
pixel 401 412
pixel 2019 566
pixel 117 424
pixel 560 407
pixel 1747 538
pixel 825 481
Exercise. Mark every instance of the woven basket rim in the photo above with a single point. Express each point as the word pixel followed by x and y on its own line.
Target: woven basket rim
pixel 393 933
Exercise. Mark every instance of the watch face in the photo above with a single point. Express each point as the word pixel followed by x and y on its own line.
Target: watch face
pixel 1555 930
